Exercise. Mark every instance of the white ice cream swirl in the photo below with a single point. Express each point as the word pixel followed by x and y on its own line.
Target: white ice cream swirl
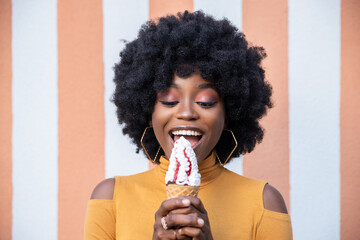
pixel 178 156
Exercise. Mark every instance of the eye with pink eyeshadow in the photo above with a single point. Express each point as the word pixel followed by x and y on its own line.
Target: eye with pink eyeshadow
pixel 207 98
pixel 168 98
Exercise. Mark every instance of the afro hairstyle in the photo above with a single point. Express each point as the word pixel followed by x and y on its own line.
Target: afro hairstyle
pixel 181 45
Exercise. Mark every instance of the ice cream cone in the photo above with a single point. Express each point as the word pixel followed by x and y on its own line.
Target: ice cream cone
pixel 174 190
pixel 183 177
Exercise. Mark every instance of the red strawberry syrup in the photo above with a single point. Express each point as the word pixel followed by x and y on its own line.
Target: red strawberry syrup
pixel 178 166
pixel 190 166
pixel 176 170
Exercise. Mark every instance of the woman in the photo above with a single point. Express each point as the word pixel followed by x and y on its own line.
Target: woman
pixel 196 74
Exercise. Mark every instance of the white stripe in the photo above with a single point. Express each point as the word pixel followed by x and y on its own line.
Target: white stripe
pixel 122 20
pixel 314 92
pixel 35 119
pixel 232 10
pixel 236 165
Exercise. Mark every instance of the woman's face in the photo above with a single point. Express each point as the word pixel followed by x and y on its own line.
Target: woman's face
pixel 191 108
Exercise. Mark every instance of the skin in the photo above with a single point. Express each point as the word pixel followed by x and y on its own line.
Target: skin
pixel 190 103
pixel 186 218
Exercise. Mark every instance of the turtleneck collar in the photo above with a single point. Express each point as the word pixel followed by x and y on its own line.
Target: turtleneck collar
pixel 208 168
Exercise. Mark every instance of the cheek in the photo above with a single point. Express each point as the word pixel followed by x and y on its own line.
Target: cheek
pixel 159 120
pixel 216 121
pixel 220 122
pixel 219 125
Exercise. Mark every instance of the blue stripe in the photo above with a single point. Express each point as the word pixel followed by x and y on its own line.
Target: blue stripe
pixel 314 92
pixel 230 9
pixel 35 119
pixel 122 20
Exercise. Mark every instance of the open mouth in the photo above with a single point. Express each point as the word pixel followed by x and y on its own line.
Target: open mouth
pixel 192 136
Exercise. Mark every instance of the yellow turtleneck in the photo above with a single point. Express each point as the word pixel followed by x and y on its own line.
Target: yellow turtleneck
pixel 234 205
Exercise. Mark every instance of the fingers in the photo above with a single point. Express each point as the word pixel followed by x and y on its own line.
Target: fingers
pixel 172 204
pixel 179 236
pixel 194 233
pixel 181 202
pixel 165 234
pixel 176 220
pixel 185 218
pixel 196 202
pixel 170 234
pixel 188 210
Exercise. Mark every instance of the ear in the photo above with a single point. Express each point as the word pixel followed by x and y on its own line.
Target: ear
pixel 150 123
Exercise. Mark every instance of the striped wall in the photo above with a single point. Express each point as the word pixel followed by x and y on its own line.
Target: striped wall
pixel 117 29
pixel 349 120
pixel 315 161
pixel 81 109
pixel 6 186
pixel 270 160
pixel 59 135
pixel 35 120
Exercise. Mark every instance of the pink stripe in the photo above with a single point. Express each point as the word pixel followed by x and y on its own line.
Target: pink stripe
pixel 81 110
pixel 270 159
pixel 349 119
pixel 6 188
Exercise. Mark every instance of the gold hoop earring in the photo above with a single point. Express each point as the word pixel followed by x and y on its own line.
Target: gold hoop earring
pixel 236 145
pixel 141 141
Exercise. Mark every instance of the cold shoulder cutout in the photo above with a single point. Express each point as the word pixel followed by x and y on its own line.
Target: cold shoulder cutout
pixel 273 199
pixel 104 190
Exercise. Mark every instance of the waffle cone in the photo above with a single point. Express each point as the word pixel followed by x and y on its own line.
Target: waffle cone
pixel 174 190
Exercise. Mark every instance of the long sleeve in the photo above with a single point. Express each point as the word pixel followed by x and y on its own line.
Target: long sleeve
pixel 100 220
pixel 274 225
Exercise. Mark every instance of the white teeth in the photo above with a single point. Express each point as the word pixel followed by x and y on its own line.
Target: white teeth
pixel 186 132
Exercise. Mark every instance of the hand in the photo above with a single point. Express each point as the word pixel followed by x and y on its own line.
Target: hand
pixel 166 207
pixel 186 218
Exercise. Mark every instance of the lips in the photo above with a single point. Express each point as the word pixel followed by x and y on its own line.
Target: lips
pixel 193 135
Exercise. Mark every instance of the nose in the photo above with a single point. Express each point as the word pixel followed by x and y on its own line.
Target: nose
pixel 186 112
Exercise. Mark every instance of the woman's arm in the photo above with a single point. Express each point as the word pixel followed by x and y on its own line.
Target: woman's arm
pixel 273 200
pixel 104 190
pixel 100 217
pixel 275 222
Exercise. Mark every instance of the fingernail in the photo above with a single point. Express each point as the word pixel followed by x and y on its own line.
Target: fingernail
pixel 200 221
pixel 186 201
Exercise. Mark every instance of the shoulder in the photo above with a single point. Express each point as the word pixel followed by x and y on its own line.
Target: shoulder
pixel 104 189
pixel 273 199
pixel 248 184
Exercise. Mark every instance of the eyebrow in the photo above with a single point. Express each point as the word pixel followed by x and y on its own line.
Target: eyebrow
pixel 206 85
pixel 201 86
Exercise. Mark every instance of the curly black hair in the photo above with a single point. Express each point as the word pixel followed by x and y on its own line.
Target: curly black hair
pixel 181 45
